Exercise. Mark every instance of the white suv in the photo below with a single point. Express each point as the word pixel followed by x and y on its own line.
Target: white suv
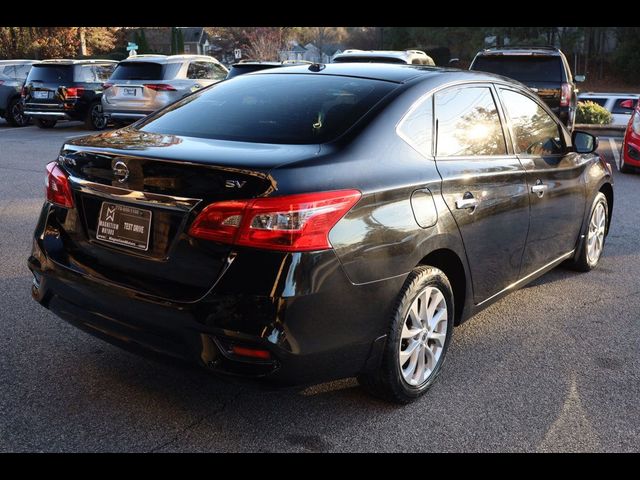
pixel 620 105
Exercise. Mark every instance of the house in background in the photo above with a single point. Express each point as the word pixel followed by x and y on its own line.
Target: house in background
pixel 310 52
pixel 196 40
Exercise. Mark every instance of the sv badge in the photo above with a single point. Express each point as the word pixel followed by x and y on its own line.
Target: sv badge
pixel 234 183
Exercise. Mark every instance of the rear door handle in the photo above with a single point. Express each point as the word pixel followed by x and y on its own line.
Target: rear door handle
pixel 539 189
pixel 465 203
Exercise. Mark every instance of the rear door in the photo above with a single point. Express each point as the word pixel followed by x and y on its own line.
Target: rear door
pixel 483 184
pixel 554 179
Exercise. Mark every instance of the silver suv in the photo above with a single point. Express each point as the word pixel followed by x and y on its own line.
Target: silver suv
pixel 413 57
pixel 142 84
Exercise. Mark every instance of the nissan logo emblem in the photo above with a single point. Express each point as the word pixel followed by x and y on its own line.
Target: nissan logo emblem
pixel 121 171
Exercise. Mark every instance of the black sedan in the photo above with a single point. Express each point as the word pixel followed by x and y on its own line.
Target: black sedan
pixel 310 223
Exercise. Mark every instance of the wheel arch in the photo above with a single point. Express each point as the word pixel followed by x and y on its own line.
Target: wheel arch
pixel 607 189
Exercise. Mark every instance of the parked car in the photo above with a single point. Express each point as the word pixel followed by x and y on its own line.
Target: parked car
pixel 142 84
pixel 305 224
pixel 413 57
pixel 245 66
pixel 66 89
pixel 630 158
pixel 545 70
pixel 620 105
pixel 12 76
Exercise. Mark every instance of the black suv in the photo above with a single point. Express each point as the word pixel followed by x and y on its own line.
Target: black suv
pixel 544 70
pixel 67 89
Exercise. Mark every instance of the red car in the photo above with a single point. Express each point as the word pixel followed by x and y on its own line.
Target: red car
pixel 631 146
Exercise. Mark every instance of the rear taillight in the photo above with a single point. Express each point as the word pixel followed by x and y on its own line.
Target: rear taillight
pixel 72 92
pixel 107 85
pixel 160 87
pixel 251 352
pixel 57 185
pixel 565 95
pixel 23 92
pixel 299 222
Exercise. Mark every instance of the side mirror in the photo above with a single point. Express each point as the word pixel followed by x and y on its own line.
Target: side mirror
pixel 584 142
pixel 454 61
pixel 580 78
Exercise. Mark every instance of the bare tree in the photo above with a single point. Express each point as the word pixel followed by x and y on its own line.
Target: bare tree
pixel 264 43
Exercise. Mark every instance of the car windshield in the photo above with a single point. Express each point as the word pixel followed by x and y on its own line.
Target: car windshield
pixel 137 71
pixel 272 108
pixel 522 68
pixel 51 73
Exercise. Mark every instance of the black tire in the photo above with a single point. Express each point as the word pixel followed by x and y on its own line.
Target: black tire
pixel 15 113
pixel 582 262
pixel 95 120
pixel 388 381
pixel 42 123
pixel 624 168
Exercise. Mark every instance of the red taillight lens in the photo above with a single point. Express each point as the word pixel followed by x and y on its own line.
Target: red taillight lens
pixel 251 352
pixel 73 92
pixel 58 188
pixel 23 92
pixel 160 87
pixel 565 95
pixel 290 223
pixel 107 85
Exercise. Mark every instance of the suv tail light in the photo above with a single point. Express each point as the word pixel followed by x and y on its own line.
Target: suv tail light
pixel 565 95
pixel 160 87
pixel 58 188
pixel 72 92
pixel 23 92
pixel 299 222
pixel 107 85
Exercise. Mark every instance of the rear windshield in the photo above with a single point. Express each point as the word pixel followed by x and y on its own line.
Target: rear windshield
pixel 368 60
pixel 138 71
pixel 51 73
pixel 522 68
pixel 272 108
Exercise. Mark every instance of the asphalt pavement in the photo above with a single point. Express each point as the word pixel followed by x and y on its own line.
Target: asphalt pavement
pixel 554 366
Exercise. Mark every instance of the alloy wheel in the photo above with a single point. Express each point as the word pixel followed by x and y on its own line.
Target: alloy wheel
pixel 423 336
pixel 98 119
pixel 595 237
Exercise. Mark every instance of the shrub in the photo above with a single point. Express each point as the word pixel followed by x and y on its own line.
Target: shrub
pixel 592 113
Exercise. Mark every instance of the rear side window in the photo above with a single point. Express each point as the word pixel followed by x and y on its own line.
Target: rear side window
pixel 536 133
pixel 468 123
pixel 599 101
pixel 296 109
pixel 416 128
pixel 205 71
pixel 138 71
pixel 618 108
pixel 93 73
pixel 523 68
pixel 18 72
pixel 51 73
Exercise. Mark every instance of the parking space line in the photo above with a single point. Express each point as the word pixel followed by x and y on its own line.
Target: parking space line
pixel 614 151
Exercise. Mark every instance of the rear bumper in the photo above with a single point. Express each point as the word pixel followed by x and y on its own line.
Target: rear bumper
pixel 48 115
pixel 316 325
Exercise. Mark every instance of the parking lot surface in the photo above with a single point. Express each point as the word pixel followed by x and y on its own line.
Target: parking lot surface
pixel 554 366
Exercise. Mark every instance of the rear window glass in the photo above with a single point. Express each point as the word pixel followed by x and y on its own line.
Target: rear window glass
pixel 522 68
pixel 296 109
pixel 138 71
pixel 51 73
pixel 368 60
pixel 618 108
pixel 93 73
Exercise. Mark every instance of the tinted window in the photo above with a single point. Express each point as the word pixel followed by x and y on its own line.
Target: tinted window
pixel 301 109
pixel 206 71
pixel 51 73
pixel 599 101
pixel 417 127
pixel 137 71
pixel 22 70
pixel 617 108
pixel 530 68
pixel 93 73
pixel 468 123
pixel 536 133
